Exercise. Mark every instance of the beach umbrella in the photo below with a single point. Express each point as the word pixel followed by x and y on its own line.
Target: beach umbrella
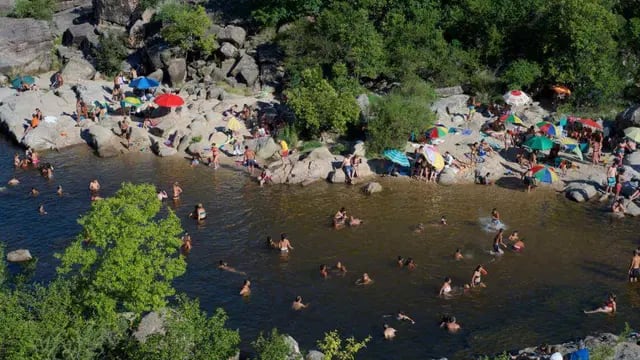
pixel 561 90
pixel 548 128
pixel 516 98
pixel 234 124
pixel 632 133
pixel 396 157
pixel 437 131
pixel 511 119
pixel 539 143
pixel 169 100
pixel 575 149
pixel 568 141
pixel 590 123
pixel 143 83
pixel 544 174
pixel 132 101
pixel 17 82
pixel 434 157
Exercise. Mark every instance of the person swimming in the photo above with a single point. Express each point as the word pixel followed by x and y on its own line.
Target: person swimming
pixel 404 317
pixel 59 191
pixel 41 210
pixel 400 261
pixel 389 332
pixel 13 182
pixel 246 288
pixel 271 244
pixel 458 255
pixel 225 267
pixel 518 246
pixel 324 273
pixel 340 218
pixel 609 306
pixel 34 192
pixel 495 216
pixel 450 323
pixel 445 289
pixel 410 264
pixel 354 221
pixel 186 243
pixel 340 268
pixel 443 220
pixel 298 304
pixel 419 228
pixel 476 278
pixel 364 280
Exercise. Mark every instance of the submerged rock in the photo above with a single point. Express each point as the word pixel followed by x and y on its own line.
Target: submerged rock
pixel 372 188
pixel 580 192
pixel 20 255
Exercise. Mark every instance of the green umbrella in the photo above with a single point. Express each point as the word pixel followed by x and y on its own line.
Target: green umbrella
pixel 17 82
pixel 539 143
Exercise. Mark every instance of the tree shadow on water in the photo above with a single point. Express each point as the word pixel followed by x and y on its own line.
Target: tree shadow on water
pixel 510 182
pixel 602 269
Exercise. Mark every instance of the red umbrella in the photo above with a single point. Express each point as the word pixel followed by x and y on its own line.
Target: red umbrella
pixel 590 123
pixel 169 100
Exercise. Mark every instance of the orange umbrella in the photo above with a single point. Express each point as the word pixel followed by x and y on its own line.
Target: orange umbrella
pixel 561 90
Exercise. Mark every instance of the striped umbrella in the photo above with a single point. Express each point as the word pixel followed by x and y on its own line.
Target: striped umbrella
pixel 437 131
pixel 590 123
pixel 544 174
pixel 433 157
pixel 397 157
pixel 548 128
pixel 511 119
pixel 539 143
pixel 516 98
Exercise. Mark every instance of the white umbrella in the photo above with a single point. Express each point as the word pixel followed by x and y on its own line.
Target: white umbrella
pixel 516 98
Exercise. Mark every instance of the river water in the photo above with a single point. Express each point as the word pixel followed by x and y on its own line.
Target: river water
pixel 575 254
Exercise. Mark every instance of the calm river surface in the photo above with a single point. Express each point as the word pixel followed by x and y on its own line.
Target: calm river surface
pixel 575 254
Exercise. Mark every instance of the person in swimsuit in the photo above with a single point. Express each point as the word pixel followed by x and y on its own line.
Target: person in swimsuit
pixel 249 158
pixel 618 206
pixel 608 307
pixel 495 217
pixel 518 246
pixel 13 182
pixel 285 244
pixel 514 236
pixel 476 278
pixel 450 324
pixel 199 213
pixel 177 191
pixel 186 244
pixel 94 186
pixel 324 273
pixel 16 160
pixel 215 156
pixel 246 288
pixel 498 241
pixel 458 255
pixel 225 267
pixel 348 168
pixel 162 195
pixel 389 332
pixel 611 177
pixel 354 221
pixel 59 191
pixel 340 218
pixel 298 304
pixel 410 264
pixel 364 280
pixel 445 289
pixel 403 317
pixel 443 220
pixel 634 267
pixel 340 268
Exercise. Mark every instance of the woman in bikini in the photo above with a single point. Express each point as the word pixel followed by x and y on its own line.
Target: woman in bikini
pixel 445 289
pixel 215 156
pixel 476 278
pixel 609 306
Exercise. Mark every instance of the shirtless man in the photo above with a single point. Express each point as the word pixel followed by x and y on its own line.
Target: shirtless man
pixel 450 324
pixel 297 304
pixel 340 218
pixel 285 244
pixel 389 332
pixel 340 268
pixel 404 317
pixel 458 255
pixel 634 267
pixel 498 241
pixel 34 192
pixel 410 264
pixel 186 244
pixel 225 267
pixel 618 207
pixel 246 288
pixel 249 158
pixel 611 177
pixel 354 221
pixel 59 191
pixel 177 191
pixel 94 186
pixel 41 210
pixel 364 280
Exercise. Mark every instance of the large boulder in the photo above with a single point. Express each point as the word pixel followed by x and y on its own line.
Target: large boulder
pixel 631 209
pixel 114 11
pixel 150 324
pixel 137 34
pixel 358 149
pixel 270 58
pixel 314 355
pixel 157 75
pixel 78 68
pixel 25 45
pixel 266 148
pixel 447 108
pixel 372 188
pixel 317 165
pixel 163 150
pixel 449 91
pixel 105 141
pixel 629 117
pixel 158 53
pixel 177 71
pixel 228 50
pixel 633 160
pixel 364 105
pixel 447 176
pixel 20 255
pixel 246 70
pixel 6 6
pixel 337 176
pixel 580 191
pixel 80 36
pixel 294 349
pixel 233 34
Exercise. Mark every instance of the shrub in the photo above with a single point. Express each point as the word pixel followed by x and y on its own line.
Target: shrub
pixel 37 9
pixel 310 145
pixel 272 348
pixel 334 348
pixel 521 74
pixel 187 27
pixel 290 135
pixel 110 53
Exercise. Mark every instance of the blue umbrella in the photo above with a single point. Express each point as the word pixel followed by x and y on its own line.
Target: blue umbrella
pixel 17 82
pixel 397 157
pixel 143 83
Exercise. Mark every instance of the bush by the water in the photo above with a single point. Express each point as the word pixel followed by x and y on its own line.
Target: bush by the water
pixel 110 53
pixel 187 27
pixel 37 9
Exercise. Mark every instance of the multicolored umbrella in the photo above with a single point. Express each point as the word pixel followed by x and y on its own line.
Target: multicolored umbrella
pixel 437 131
pixel 434 157
pixel 590 123
pixel 511 119
pixel 568 141
pixel 516 98
pixel 548 128
pixel 396 157
pixel 169 100
pixel 17 82
pixel 632 133
pixel 234 124
pixel 539 143
pixel 144 83
pixel 132 101
pixel 545 174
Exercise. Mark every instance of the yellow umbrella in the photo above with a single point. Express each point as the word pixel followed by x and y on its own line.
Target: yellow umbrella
pixel 234 124
pixel 434 158
pixel 568 141
pixel 632 133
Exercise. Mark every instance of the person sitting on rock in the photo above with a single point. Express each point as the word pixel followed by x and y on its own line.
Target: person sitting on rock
pixel 57 81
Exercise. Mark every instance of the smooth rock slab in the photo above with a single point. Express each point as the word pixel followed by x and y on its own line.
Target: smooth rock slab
pixel 372 188
pixel 20 255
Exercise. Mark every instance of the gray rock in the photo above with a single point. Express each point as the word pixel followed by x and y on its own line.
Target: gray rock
pixel 77 68
pixel 337 176
pixel 359 149
pixel 214 92
pixel 246 70
pixel 163 150
pixel 105 141
pixel 633 160
pixel 218 138
pixel 629 117
pixel 456 104
pixel 626 351
pixel 137 34
pixel 25 45
pixel 233 34
pixel 266 148
pixel 157 75
pixel 314 355
pixel 159 53
pixel 147 15
pixel 139 139
pixel 150 324
pixel 449 91
pixel 80 36
pixel 226 66
pixel 363 104
pixel 114 11
pixel 6 6
pixel 580 192
pixel 631 209
pixel 294 349
pixel 372 188
pixel 19 255
pixel 227 50
pixel 177 71
pixel 447 177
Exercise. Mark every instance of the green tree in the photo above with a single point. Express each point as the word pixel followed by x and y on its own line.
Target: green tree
pixel 334 348
pixel 404 111
pixel 110 53
pixel 189 335
pixel 274 12
pixel 187 27
pixel 273 347
pixel 37 9
pixel 521 74
pixel 319 107
pixel 126 256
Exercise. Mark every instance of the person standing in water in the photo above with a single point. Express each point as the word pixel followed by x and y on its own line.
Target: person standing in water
pixel 298 304
pixel 389 332
pixel 450 324
pixel 458 255
pixel 445 289
pixel 59 191
pixel 340 268
pixel 186 244
pixel 634 267
pixel 324 273
pixel 495 217
pixel 41 210
pixel 285 244
pixel 177 191
pixel 94 187
pixel 498 242
pixel 364 280
pixel 476 278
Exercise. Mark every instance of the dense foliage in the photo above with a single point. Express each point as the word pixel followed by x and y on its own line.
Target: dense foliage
pixel 110 53
pixel 335 348
pixel 37 9
pixel 187 27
